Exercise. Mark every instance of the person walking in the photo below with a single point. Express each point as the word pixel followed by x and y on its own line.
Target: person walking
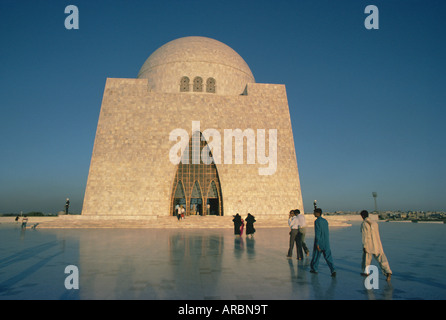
pixel 182 212
pixel 24 221
pixel 250 219
pixel 300 239
pixel 177 212
pixel 237 224
pixel 321 243
pixel 371 242
pixel 242 226
pixel 294 226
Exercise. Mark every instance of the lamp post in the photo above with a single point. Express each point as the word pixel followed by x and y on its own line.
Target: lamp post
pixel 67 205
pixel 375 195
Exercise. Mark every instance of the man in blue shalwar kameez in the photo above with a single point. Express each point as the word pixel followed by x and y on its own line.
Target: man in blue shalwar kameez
pixel 321 243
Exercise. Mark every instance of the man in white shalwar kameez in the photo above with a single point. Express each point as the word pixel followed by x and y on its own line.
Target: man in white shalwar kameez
pixel 371 242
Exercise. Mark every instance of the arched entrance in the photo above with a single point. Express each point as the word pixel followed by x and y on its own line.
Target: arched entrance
pixel 196 200
pixel 197 186
pixel 179 198
pixel 213 200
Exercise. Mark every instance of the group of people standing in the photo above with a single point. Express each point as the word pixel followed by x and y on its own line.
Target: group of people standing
pixel 180 211
pixel 239 225
pixel 24 221
pixel 371 242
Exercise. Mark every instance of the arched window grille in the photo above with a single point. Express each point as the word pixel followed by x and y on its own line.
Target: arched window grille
pixel 184 84
pixel 210 85
pixel 198 84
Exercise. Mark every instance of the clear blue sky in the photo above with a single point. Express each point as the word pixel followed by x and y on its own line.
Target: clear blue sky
pixel 367 106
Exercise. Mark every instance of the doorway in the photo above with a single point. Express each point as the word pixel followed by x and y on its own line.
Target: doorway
pixel 196 186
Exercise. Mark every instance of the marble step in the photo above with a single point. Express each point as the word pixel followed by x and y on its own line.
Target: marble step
pixel 209 222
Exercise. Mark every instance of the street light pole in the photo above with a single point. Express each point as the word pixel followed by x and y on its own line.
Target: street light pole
pixel 375 195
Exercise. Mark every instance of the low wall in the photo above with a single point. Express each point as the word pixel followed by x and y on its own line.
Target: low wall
pixel 4 220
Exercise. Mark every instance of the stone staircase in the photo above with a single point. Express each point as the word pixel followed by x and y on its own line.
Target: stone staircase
pixel 167 222
pixel 189 222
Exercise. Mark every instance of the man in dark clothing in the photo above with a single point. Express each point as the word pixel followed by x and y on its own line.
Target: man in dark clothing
pixel 237 224
pixel 250 225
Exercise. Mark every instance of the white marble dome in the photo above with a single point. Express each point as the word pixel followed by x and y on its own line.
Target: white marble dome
pixel 179 65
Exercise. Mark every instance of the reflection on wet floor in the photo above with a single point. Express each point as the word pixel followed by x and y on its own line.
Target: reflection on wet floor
pixel 213 264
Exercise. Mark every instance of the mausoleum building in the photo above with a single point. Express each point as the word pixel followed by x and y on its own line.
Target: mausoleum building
pixel 193 129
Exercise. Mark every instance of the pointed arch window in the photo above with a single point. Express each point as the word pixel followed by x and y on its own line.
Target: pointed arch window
pixel 196 192
pixel 213 193
pixel 179 191
pixel 196 200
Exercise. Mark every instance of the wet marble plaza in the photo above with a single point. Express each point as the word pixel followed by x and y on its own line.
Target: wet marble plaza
pixel 202 264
